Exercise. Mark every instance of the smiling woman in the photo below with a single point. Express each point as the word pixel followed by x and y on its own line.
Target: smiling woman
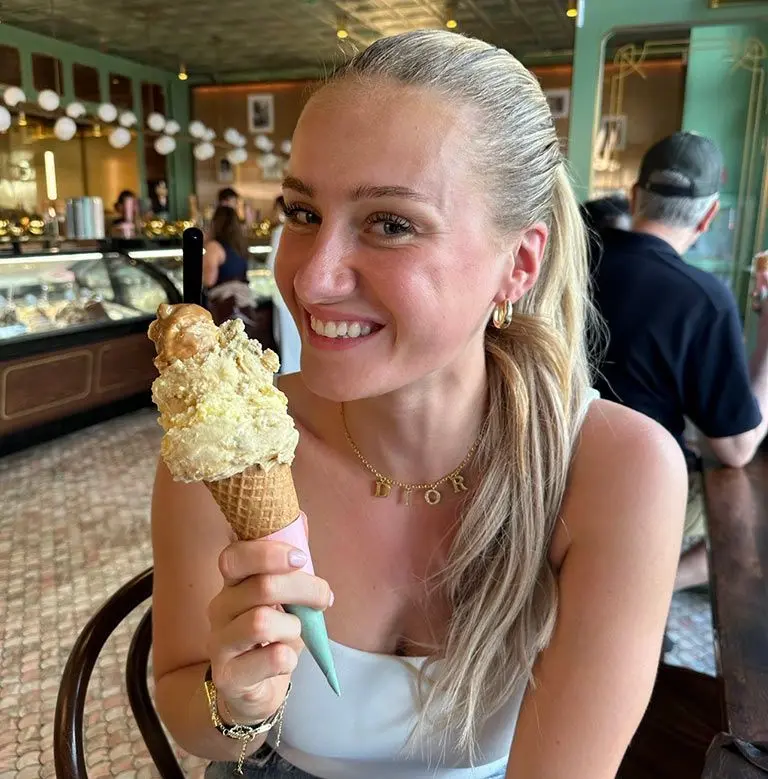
pixel 501 572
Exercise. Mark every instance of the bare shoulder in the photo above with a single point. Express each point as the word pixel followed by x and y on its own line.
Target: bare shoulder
pixel 214 248
pixel 628 476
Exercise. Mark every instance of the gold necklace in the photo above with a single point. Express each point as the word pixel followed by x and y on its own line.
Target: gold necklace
pixel 382 486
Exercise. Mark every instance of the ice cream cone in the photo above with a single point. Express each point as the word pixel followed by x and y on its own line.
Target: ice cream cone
pixel 227 424
pixel 256 502
pixel 260 504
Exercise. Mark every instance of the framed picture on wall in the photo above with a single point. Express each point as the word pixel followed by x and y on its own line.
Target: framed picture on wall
pixel 559 102
pixel 261 113
pixel 615 127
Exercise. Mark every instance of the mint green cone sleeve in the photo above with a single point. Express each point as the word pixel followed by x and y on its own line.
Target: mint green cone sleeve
pixel 315 638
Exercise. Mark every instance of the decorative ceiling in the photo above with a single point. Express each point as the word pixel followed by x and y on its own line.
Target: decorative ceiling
pixel 213 39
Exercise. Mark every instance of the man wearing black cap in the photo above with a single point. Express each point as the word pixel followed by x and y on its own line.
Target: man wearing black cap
pixel 675 338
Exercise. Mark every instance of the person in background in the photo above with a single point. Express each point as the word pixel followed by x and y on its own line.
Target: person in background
pixel 126 207
pixel 600 214
pixel 159 198
pixel 228 197
pixel 225 266
pixel 676 346
pixel 285 331
pixel 609 211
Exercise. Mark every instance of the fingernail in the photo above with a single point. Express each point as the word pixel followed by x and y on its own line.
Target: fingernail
pixel 297 558
pixel 333 598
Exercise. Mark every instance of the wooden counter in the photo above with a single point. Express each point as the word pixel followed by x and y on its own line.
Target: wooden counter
pixel 737 510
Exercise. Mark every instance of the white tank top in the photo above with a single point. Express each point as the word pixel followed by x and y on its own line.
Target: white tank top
pixel 365 732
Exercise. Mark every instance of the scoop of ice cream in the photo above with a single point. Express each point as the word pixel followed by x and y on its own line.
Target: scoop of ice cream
pixel 218 405
pixel 182 331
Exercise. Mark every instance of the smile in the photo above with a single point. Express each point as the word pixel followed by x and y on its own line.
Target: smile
pixel 333 330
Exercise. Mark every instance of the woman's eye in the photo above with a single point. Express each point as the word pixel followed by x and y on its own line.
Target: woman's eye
pixel 301 216
pixel 389 225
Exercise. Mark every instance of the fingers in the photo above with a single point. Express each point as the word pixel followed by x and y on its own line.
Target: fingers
pixel 260 625
pixel 248 680
pixel 297 588
pixel 242 559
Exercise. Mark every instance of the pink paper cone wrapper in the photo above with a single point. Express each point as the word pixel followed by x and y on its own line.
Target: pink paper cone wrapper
pixel 313 630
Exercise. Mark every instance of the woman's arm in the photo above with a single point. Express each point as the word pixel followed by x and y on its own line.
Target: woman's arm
pixel 188 534
pixel 624 512
pixel 213 259
pixel 214 601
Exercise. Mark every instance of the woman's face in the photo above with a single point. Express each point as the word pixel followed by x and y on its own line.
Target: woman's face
pixel 388 239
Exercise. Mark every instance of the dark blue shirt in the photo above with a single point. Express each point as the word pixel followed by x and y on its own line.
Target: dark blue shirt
pixel 234 267
pixel 676 344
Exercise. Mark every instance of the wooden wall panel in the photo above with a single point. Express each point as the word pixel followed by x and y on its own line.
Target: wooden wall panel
pixel 125 366
pixel 45 383
pixel 44 388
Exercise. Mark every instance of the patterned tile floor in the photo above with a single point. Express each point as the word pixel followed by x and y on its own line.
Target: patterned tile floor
pixel 74 526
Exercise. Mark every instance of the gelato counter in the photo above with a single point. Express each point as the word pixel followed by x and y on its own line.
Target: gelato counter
pixel 73 335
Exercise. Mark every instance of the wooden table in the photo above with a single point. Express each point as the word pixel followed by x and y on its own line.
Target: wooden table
pixel 737 511
pixel 722 764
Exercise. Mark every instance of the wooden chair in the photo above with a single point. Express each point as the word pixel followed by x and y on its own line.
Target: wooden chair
pixel 68 751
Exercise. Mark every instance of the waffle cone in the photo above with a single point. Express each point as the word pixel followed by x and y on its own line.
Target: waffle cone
pixel 256 502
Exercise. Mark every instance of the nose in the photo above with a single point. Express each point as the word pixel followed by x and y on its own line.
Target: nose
pixel 326 275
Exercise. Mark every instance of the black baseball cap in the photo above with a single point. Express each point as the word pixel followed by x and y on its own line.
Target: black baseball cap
pixel 683 165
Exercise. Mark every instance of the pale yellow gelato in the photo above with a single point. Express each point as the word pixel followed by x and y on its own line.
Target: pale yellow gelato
pixel 218 405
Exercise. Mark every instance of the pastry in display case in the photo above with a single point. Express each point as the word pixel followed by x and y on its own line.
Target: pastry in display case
pixel 73 340
pixel 40 295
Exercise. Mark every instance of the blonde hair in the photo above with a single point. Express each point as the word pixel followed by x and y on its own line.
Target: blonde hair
pixel 499 584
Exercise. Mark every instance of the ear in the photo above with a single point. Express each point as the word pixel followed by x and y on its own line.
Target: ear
pixel 524 263
pixel 632 200
pixel 709 217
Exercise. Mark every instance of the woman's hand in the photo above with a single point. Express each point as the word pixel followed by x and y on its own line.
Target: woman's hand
pixel 254 646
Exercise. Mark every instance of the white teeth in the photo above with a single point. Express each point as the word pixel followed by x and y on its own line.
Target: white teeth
pixel 340 329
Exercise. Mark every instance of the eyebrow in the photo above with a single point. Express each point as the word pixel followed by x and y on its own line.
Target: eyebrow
pixel 364 192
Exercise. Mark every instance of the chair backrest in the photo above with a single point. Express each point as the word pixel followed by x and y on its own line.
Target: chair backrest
pixel 68 741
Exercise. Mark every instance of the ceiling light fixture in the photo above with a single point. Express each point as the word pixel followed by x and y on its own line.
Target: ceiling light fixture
pixel 450 16
pixel 341 29
pixel 573 9
pixel 183 75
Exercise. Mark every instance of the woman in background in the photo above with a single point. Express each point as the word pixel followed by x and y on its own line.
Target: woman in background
pixel 225 268
pixel 226 251
pixel 284 327
pixel 126 207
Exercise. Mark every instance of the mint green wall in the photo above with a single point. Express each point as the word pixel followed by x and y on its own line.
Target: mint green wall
pixel 599 19
pixel 717 97
pixel 177 96
pixel 713 83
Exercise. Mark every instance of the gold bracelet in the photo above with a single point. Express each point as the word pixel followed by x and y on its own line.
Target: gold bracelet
pixel 239 732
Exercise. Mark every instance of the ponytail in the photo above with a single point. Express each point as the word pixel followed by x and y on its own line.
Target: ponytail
pixel 501 589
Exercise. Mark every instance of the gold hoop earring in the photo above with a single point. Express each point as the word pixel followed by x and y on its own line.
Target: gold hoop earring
pixel 502 315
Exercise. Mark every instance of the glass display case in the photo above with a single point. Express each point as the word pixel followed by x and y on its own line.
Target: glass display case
pixel 73 340
pixel 50 294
